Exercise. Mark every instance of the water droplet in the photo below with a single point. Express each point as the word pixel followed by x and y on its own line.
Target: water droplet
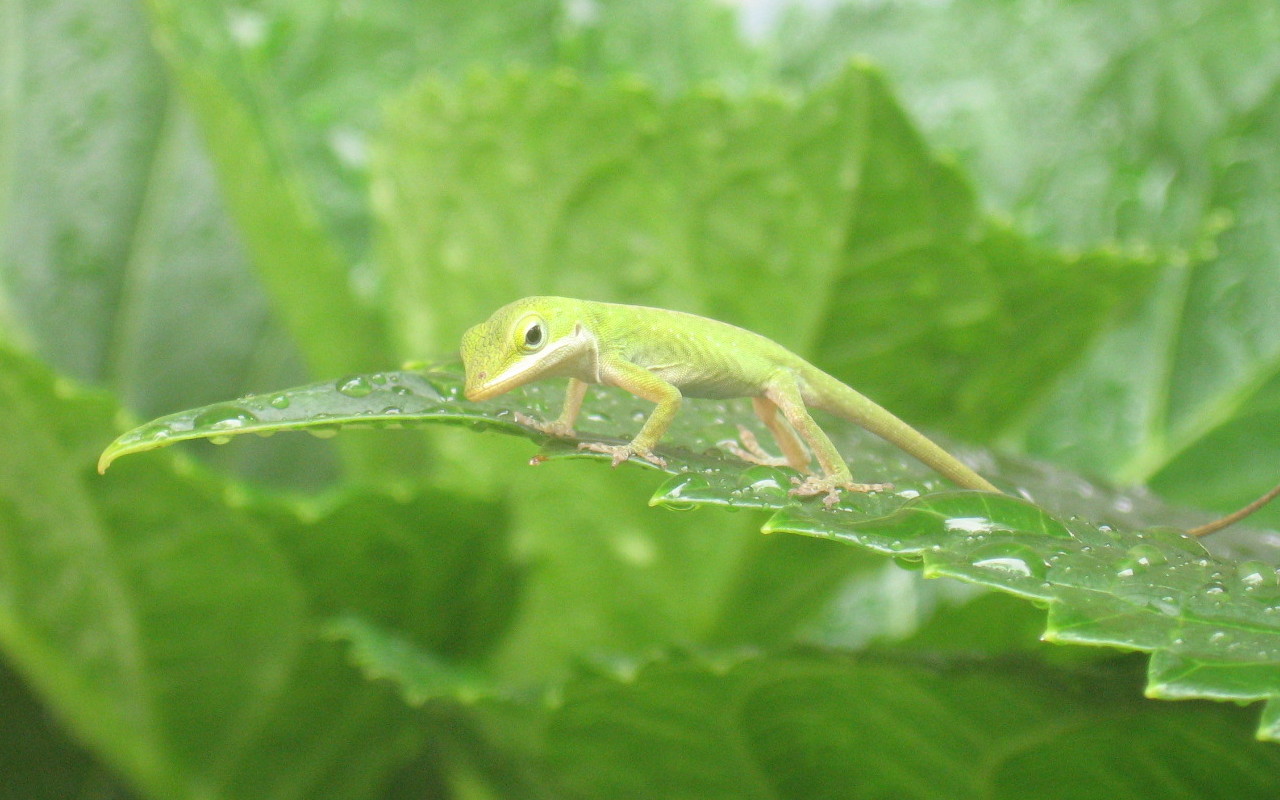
pixel 970 524
pixel 1147 555
pixel 219 439
pixel 1255 573
pixel 764 481
pixel 280 401
pixel 323 433
pixel 355 386
pixel 153 433
pixel 223 418
pixel 1140 557
pixel 672 493
pixel 1011 557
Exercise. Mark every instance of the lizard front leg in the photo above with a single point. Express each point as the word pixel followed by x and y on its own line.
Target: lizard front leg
pixel 563 426
pixel 644 384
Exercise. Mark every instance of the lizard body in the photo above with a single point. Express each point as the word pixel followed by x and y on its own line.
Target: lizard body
pixel 664 356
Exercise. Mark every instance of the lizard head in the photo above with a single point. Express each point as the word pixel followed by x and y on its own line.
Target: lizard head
pixel 524 341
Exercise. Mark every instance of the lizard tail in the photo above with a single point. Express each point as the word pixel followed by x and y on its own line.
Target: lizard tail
pixel 843 401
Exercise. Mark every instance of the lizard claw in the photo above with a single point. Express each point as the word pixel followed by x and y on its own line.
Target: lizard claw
pixel 812 485
pixel 750 450
pixel 622 452
pixel 556 429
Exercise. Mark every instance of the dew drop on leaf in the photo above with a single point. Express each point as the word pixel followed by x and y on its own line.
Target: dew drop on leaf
pixel 1255 573
pixel 355 386
pixel 1139 558
pixel 153 433
pixel 671 493
pixel 765 481
pixel 223 418
pixel 1013 557
pixel 970 525
pixel 280 401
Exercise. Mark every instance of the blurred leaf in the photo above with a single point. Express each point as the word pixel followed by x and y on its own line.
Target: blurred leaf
pixel 304 84
pixel 38 759
pixel 118 261
pixel 1089 121
pixel 822 725
pixel 825 225
pixel 1185 395
pixel 676 45
pixel 103 172
pixel 334 328
pixel 99 578
pixel 1179 105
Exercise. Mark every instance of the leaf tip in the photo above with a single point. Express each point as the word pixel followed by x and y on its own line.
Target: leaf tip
pixel 108 456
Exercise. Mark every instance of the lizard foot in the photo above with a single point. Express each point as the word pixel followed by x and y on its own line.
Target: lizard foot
pixel 750 450
pixel 622 452
pixel 812 485
pixel 556 429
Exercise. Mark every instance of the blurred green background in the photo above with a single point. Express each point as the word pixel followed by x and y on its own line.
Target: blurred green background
pixel 1045 226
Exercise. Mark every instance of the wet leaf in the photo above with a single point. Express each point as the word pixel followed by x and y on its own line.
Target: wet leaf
pixel 1097 560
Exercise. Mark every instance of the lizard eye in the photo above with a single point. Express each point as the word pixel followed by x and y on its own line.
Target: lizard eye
pixel 534 336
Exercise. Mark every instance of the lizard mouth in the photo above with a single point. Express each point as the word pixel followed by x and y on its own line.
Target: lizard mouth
pixel 530 368
pixel 521 372
pixel 475 392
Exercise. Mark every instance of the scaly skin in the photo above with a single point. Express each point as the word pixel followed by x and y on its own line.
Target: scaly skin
pixel 664 356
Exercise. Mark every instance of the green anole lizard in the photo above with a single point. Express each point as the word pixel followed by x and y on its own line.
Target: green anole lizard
pixel 663 356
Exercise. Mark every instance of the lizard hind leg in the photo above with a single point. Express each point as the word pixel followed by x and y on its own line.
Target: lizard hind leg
pixel 785 395
pixel 748 448
pixel 793 450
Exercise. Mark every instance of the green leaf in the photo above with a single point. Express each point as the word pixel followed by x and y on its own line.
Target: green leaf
pixel 1211 623
pixel 104 181
pixel 1185 395
pixel 334 327
pixel 1087 121
pixel 117 258
pixel 305 83
pixel 38 759
pixel 817 724
pixel 94 572
pixel 1181 120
